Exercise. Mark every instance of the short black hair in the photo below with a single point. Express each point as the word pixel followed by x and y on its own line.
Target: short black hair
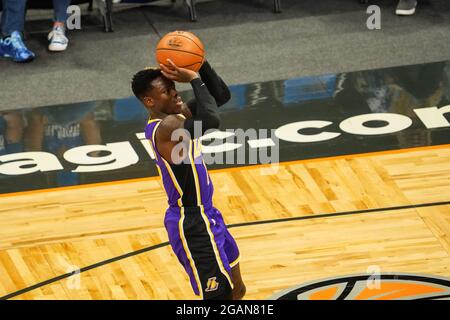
pixel 142 81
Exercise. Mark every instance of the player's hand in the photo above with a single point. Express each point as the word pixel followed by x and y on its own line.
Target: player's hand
pixel 178 74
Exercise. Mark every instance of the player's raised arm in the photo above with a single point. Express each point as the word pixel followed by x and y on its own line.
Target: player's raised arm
pixel 205 105
pixel 215 84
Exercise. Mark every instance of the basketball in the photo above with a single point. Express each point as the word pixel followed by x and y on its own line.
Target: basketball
pixel 183 48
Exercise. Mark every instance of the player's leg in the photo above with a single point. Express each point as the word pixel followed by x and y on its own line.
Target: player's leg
pixel 197 245
pixel 172 224
pixel 239 289
pixel 232 252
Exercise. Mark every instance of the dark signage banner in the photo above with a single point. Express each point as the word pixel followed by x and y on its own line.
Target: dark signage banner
pixel 267 122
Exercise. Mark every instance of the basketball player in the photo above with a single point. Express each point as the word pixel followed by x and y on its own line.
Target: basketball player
pixel 197 232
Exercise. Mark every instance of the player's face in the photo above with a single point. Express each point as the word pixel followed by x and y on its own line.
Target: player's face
pixel 165 97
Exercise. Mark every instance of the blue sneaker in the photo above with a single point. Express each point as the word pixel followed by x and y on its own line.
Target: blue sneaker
pixel 13 47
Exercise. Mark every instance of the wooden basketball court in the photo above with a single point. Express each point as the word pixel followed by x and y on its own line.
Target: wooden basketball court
pixel 309 220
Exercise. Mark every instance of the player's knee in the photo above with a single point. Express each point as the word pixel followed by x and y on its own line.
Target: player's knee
pixel 239 292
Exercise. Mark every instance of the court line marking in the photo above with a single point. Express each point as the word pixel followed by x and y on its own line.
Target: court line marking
pixel 255 166
pixel 236 225
pixel 435 297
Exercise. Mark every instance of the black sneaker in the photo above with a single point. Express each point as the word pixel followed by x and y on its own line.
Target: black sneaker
pixel 406 7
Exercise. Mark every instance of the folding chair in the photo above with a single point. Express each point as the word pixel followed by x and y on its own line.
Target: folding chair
pixel 193 11
pixel 106 7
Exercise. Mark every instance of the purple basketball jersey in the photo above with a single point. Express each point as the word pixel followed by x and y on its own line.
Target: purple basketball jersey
pixel 187 184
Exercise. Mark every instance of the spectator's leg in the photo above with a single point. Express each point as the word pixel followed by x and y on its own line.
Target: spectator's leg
pixel 60 11
pixel 13 16
pixel 57 37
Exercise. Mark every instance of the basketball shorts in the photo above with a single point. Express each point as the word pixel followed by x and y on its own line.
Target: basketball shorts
pixel 204 246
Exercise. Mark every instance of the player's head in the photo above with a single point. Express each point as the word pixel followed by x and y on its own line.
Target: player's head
pixel 156 92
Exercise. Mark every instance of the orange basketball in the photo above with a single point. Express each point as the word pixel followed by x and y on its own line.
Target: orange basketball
pixel 183 48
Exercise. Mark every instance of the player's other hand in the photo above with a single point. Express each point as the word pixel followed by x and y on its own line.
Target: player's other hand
pixel 178 74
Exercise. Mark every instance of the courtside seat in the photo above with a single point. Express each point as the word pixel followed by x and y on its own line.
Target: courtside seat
pixel 106 7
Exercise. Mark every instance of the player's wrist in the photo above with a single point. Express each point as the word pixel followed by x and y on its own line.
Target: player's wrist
pixel 194 77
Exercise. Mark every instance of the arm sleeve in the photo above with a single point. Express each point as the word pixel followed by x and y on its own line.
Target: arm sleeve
pixel 216 86
pixel 204 109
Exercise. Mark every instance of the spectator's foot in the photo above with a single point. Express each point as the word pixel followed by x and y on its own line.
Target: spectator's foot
pixel 406 7
pixel 58 39
pixel 14 48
